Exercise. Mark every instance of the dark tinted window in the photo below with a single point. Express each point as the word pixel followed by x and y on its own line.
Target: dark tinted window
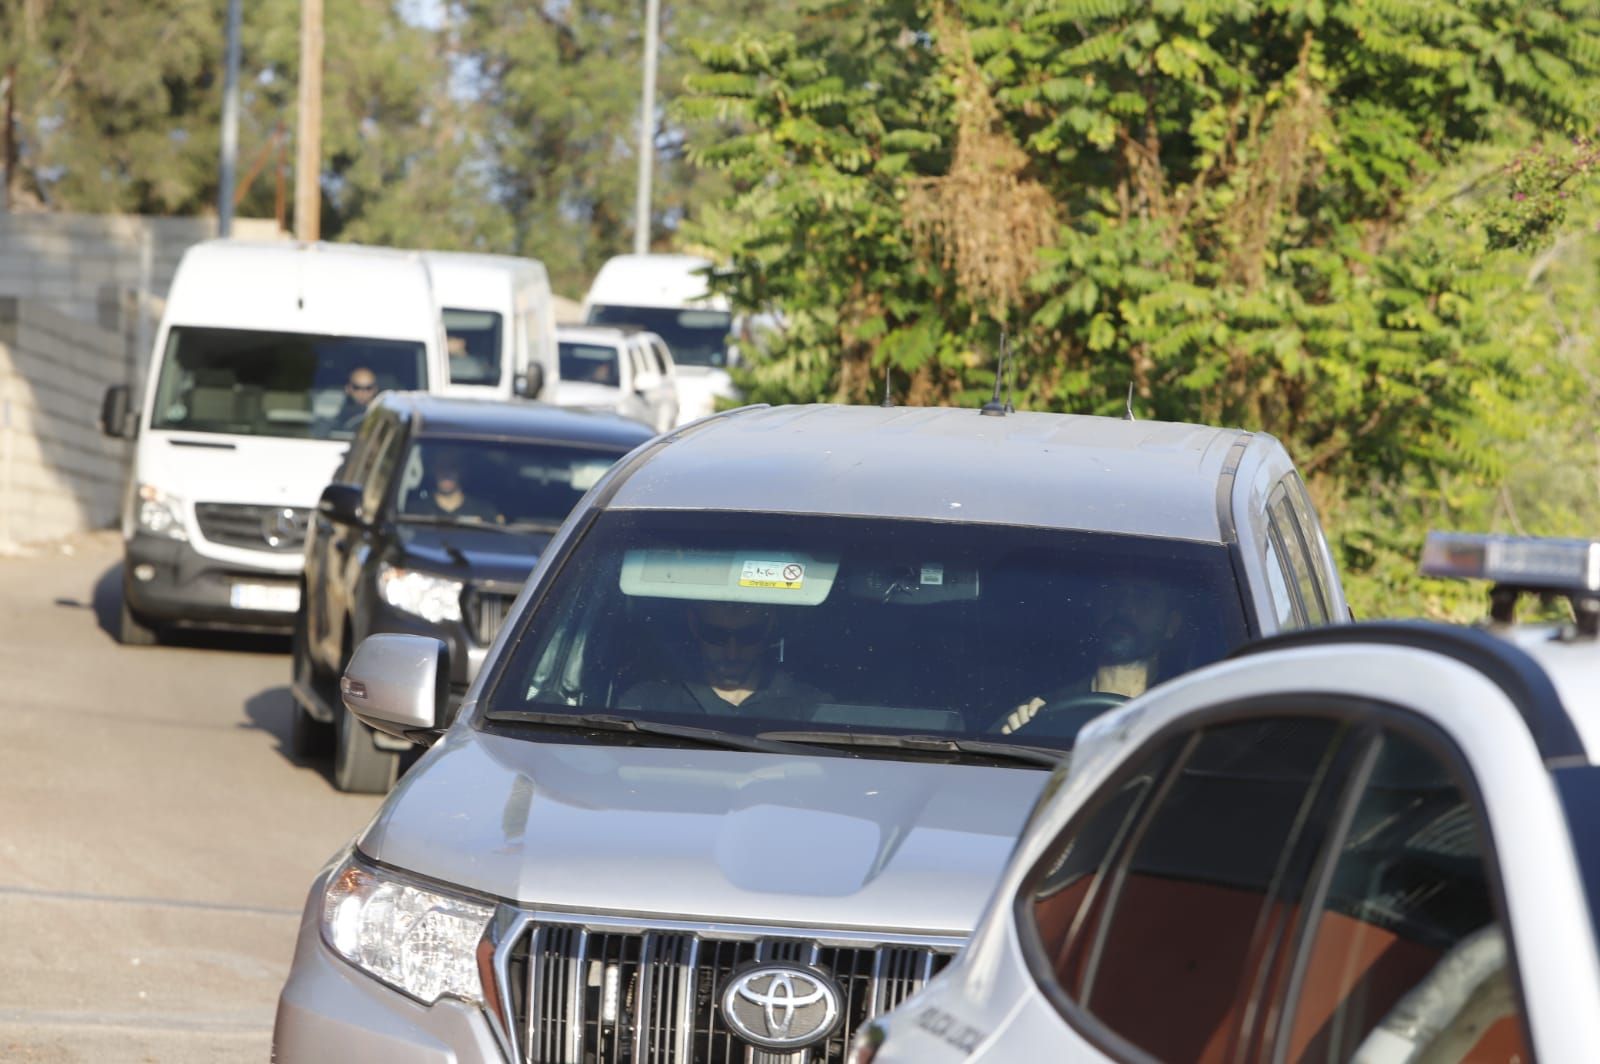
pixel 450 479
pixel 867 623
pixel 1163 936
pixel 473 340
pixel 277 384
pixel 1407 947
pixel 590 363
pixel 697 337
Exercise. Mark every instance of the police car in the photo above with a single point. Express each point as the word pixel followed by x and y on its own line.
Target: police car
pixel 1372 842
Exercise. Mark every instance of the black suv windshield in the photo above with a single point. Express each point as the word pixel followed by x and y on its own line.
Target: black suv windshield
pixel 767 624
pixel 253 383
pixel 496 481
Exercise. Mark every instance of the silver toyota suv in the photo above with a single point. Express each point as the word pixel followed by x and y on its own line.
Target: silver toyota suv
pixel 760 733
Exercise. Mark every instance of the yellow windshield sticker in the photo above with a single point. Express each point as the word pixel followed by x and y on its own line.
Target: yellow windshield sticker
pixel 788 576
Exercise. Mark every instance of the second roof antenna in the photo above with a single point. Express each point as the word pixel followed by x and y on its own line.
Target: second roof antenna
pixel 888 399
pixel 994 407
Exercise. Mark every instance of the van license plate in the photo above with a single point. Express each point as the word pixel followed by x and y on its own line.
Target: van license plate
pixel 265 597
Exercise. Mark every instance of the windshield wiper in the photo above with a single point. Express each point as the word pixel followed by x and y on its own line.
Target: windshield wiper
pixel 938 744
pixel 611 723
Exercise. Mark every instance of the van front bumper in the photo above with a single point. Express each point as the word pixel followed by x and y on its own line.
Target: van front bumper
pixel 168 582
pixel 330 1012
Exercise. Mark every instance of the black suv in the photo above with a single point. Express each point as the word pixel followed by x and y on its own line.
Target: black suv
pixel 432 523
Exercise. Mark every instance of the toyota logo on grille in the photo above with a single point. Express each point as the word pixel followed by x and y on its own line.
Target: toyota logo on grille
pixel 279 526
pixel 781 1006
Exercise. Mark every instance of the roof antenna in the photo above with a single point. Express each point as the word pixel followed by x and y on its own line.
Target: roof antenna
pixel 888 399
pixel 994 407
pixel 1127 411
pixel 1011 384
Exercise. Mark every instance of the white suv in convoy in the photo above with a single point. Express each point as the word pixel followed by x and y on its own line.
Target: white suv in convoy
pixel 1375 842
pixel 760 731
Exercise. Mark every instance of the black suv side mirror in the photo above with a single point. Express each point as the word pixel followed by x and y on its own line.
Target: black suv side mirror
pixel 114 411
pixel 342 503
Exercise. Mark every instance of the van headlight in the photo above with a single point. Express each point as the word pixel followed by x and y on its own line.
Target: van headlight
pixel 433 598
pixel 421 942
pixel 160 514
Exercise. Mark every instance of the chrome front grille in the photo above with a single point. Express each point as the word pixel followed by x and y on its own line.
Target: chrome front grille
pixel 485 611
pixel 281 529
pixel 584 994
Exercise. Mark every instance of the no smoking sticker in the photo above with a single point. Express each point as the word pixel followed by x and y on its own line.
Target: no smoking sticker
pixel 786 576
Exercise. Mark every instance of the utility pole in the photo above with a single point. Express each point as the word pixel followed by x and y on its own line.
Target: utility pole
pixel 647 129
pixel 230 124
pixel 308 147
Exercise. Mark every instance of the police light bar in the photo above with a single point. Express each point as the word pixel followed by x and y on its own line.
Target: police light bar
pixel 1571 566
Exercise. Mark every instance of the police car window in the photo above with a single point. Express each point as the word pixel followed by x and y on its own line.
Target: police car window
pixel 1408 958
pixel 1184 928
pixel 773 621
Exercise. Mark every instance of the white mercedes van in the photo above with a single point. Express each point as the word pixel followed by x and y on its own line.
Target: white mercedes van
pixel 263 366
pixel 668 295
pixel 499 323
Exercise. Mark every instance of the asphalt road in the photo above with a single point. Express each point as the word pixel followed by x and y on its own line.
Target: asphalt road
pixel 157 839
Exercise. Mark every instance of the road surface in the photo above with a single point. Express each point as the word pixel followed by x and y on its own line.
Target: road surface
pixel 157 838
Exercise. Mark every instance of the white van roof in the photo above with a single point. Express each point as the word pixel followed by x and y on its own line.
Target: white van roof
pixel 653 281
pixel 322 289
pixel 477 281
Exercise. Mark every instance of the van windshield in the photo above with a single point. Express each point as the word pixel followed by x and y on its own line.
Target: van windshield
pixel 762 623
pixel 474 341
pixel 251 383
pixel 695 336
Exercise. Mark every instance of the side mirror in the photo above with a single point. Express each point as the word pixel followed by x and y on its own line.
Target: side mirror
pixel 114 410
pixel 342 503
pixel 399 684
pixel 530 383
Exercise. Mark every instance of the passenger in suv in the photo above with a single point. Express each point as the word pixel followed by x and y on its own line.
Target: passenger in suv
pixel 439 511
pixel 622 848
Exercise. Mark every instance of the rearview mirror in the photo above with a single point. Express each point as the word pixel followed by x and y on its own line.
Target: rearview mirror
pixel 114 410
pixel 342 503
pixel 399 684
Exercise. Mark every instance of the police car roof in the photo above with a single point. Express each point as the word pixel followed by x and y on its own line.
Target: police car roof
pixel 516 419
pixel 1096 474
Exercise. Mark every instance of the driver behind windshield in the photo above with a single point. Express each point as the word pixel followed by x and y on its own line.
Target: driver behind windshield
pixel 730 669
pixel 446 495
pixel 1131 623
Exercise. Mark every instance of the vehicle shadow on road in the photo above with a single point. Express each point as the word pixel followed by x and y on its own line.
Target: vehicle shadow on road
pixel 272 711
pixel 106 602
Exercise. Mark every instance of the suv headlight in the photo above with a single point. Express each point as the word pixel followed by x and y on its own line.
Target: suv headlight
pixel 433 598
pixel 418 941
pixel 160 514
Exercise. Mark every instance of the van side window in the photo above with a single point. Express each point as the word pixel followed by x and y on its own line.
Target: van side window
pixel 1407 949
pixel 1282 519
pixel 1170 897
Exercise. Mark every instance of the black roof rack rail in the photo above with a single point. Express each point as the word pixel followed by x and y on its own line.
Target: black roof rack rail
pixel 1502 663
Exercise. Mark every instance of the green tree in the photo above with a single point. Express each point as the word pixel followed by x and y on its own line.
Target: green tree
pixel 1284 214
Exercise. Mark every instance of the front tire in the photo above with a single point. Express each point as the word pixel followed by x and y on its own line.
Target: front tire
pixel 359 767
pixel 133 632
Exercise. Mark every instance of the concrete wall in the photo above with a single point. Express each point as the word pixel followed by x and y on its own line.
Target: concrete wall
pixel 85 264
pixel 58 474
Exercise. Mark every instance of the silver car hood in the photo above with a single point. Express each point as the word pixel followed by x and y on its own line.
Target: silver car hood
pixel 830 842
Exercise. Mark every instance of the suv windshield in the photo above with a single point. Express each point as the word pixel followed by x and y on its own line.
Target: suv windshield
pixel 774 623
pixel 590 363
pixel 253 383
pixel 460 479
pixel 473 337
pixel 696 337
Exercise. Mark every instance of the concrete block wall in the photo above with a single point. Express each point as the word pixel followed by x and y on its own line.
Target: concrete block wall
pixel 58 474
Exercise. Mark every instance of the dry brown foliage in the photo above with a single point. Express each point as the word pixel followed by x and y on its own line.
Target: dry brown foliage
pixel 986 219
